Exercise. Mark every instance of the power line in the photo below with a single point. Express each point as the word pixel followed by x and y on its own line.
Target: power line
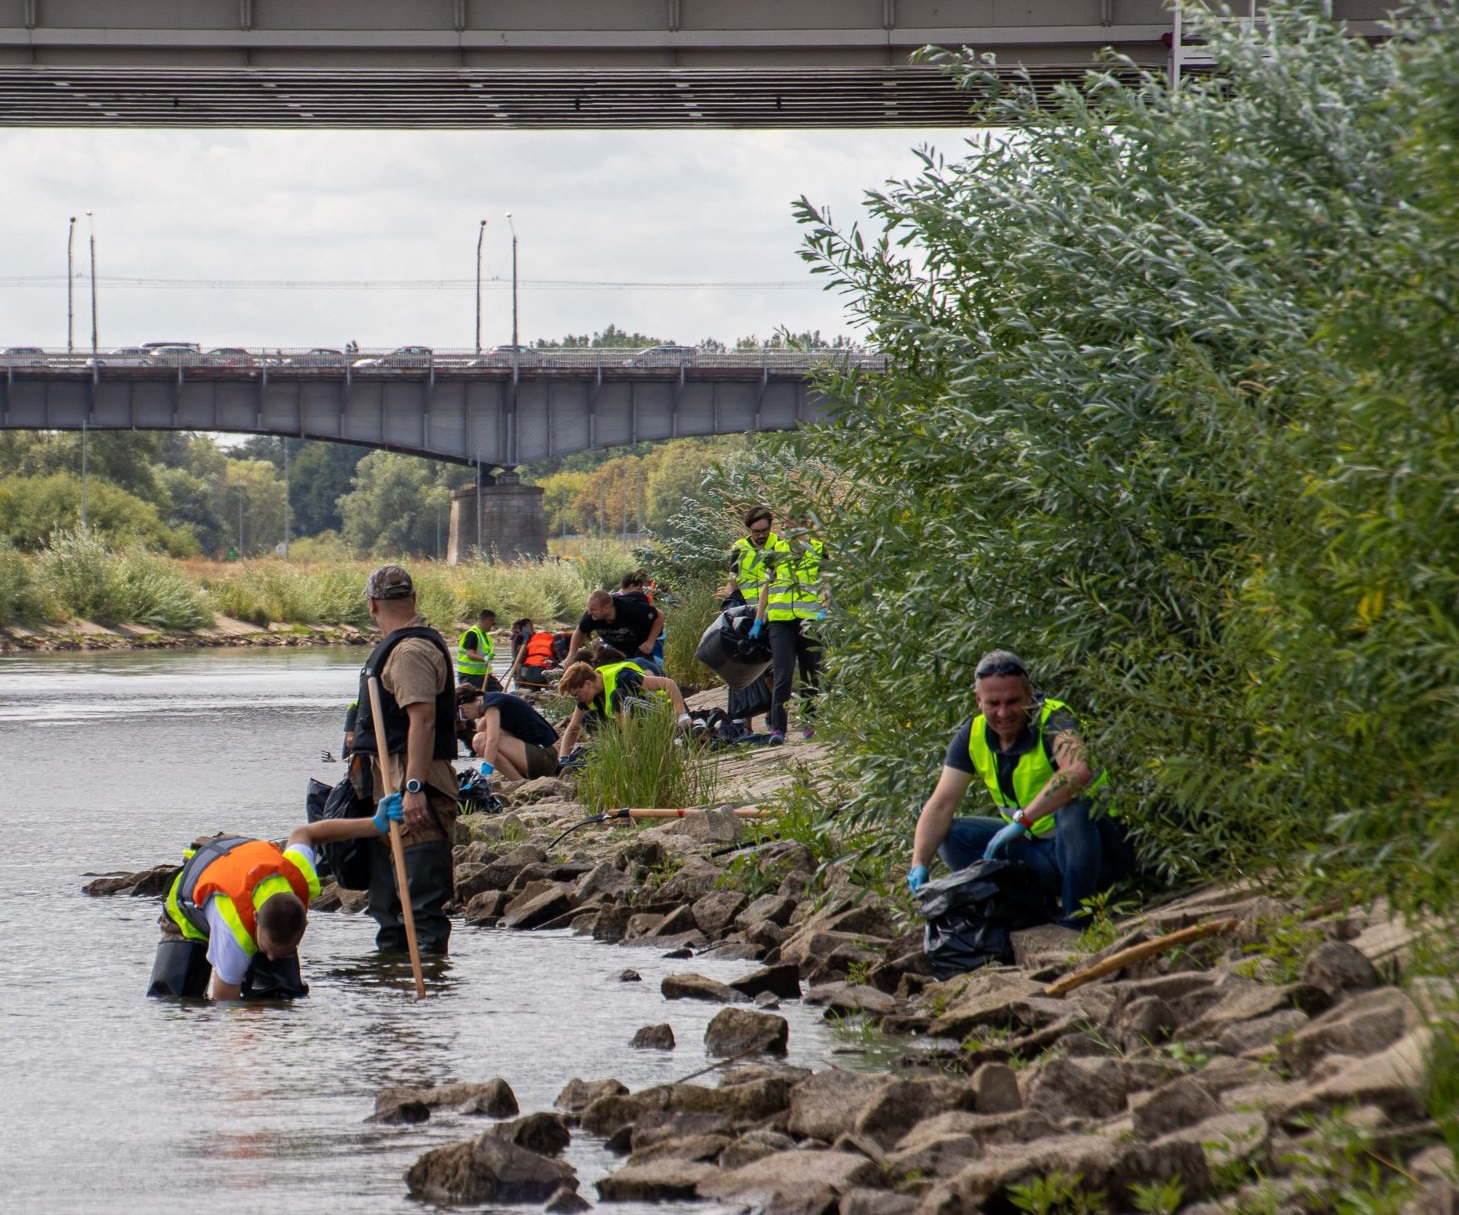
pixel 119 282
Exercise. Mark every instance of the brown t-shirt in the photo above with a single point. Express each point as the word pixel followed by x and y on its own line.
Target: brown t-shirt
pixel 416 671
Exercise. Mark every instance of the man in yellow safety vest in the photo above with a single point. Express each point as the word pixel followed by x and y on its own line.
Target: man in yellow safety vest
pixel 475 650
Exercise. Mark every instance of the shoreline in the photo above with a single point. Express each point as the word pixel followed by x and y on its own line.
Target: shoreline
pixel 78 635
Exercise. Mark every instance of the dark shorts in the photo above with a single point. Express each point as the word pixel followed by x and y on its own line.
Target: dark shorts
pixel 536 677
pixel 541 761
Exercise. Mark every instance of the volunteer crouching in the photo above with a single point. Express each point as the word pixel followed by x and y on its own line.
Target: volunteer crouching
pixel 238 910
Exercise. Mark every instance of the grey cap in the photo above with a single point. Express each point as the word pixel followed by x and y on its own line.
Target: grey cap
pixel 389 582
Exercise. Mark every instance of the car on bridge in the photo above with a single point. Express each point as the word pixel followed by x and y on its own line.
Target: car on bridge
pixel 229 356
pixel 320 356
pixel 401 356
pixel 175 353
pixel 22 356
pixel 662 356
pixel 124 356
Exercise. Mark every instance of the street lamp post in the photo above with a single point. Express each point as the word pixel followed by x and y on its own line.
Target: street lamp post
pixel 513 227
pixel 92 230
pixel 70 283
pixel 480 236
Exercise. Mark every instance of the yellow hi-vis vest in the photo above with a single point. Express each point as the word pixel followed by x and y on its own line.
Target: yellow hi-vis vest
pixel 750 568
pixel 240 875
pixel 1033 772
pixel 469 666
pixel 795 582
pixel 602 706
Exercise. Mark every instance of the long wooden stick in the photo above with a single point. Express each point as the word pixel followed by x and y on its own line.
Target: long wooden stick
pixel 651 812
pixel 397 848
pixel 511 678
pixel 1138 953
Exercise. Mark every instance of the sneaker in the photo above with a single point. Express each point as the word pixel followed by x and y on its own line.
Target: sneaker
pixel 776 738
pixel 808 732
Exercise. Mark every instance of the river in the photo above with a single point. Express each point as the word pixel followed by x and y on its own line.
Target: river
pixel 114 1102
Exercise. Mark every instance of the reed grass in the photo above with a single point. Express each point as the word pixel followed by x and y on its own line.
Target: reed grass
pixel 642 761
pixel 687 616
pixel 81 577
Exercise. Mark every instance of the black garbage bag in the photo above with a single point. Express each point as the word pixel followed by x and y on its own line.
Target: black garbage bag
pixel 728 650
pixel 347 861
pixel 971 913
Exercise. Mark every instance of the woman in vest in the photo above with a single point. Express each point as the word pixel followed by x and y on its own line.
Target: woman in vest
pixel 604 693
pixel 1026 750
pixel 790 600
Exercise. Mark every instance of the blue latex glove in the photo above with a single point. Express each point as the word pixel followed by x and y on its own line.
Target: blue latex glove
pixel 389 811
pixel 486 768
pixel 821 615
pixel 1013 831
pixel 916 878
pixel 757 626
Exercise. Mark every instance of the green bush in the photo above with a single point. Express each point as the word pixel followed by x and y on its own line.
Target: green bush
pixel 22 599
pixel 84 578
pixel 642 761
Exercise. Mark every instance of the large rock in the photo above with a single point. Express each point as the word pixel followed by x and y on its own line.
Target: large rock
pixel 1077 1088
pixel 825 1106
pixel 654 1037
pixel 782 981
pixel 666 1179
pixel 486 1169
pixel 664 1127
pixel 940 1145
pixel 768 909
pixel 1339 968
pixel 579 1094
pixel 485 908
pixel 1261 1033
pixel 714 912
pixel 995 1089
pixel 697 987
pixel 1363 1025
pixel 885 1117
pixel 1392 1080
pixel 148 882
pixel 1180 1103
pixel 530 909
pixel 703 1148
pixel 1246 1000
pixel 754 1145
pixel 736 1031
pixel 602 881
pixel 793 1183
pixel 745 1103
pixel 542 1132
pixel 494 1098
pixel 1147 1020
pixel 503 871
pixel 692 882
pixel 995 999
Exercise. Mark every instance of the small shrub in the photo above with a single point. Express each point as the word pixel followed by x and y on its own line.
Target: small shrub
pixel 686 617
pixel 1057 1194
pixel 642 761
pixel 22 599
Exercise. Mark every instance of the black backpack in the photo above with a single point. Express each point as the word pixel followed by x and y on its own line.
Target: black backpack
pixel 347 861
pixel 970 914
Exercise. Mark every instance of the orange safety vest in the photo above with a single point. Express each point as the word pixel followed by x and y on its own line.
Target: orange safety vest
pixel 243 874
pixel 539 650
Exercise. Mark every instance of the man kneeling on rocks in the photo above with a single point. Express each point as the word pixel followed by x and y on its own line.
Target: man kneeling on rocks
pixel 1026 748
pixel 240 906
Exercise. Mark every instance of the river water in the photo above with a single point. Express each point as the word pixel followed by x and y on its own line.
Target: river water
pixel 114 1102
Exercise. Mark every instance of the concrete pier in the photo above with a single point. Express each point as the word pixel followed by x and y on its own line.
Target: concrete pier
pixel 507 515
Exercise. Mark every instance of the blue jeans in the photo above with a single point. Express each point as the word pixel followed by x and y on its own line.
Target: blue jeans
pixel 1078 858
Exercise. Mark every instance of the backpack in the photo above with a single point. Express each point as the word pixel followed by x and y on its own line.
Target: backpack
pixel 348 861
pixel 971 913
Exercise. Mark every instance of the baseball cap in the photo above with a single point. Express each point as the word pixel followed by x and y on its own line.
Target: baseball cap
pixel 389 582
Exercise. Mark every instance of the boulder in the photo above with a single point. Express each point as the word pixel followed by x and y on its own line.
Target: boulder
pixel 642 924
pixel 692 882
pixel 825 1106
pixel 1146 1020
pixel 469 882
pixel 1392 1080
pixel 885 1117
pixel 1362 1025
pixel 654 1037
pixel 494 1098
pixel 1339 968
pixel 754 1145
pixel 875 1202
pixel 1172 1106
pixel 567 1201
pixel 485 908
pixel 745 1103
pixel 735 1031
pixel 612 922
pixel 940 1145
pixel 529 909
pixel 542 1132
pixel 1261 1033
pixel 666 1179
pixel 500 873
pixel 782 981
pixel 991 998
pixel 714 912
pixel 601 882
pixel 697 987
pixel 767 909
pixel 704 1148
pixel 1246 1000
pixel 995 1089
pixel 793 1183
pixel 1076 1088
pixel 148 882
pixel 664 1126
pixel 579 1094
pixel 848 999
pixel 486 1169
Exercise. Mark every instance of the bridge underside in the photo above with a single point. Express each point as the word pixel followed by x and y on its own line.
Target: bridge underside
pixel 487 419
pixel 544 63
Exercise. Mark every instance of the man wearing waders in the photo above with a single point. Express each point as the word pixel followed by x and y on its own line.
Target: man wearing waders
pixel 418 704
pixel 241 906
pixel 1027 750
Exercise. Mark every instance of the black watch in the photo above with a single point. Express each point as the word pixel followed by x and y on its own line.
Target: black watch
pixel 413 786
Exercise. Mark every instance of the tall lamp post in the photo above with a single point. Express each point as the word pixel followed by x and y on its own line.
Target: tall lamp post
pixel 480 236
pixel 513 227
pixel 70 284
pixel 91 229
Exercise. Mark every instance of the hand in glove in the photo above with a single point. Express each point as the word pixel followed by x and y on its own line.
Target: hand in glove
pixel 916 878
pixel 757 627
pixel 1011 832
pixel 389 811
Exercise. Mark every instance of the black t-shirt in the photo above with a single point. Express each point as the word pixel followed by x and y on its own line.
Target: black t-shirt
pixel 520 720
pixel 958 758
pixel 635 617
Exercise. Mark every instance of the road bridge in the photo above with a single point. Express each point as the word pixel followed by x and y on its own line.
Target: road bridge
pixel 493 411
pixel 548 63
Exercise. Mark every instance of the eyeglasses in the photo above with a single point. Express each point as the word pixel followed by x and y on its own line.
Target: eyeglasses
pixel 1000 666
pixel 760 531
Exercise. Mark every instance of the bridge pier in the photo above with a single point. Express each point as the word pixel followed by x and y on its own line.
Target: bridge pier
pixel 509 515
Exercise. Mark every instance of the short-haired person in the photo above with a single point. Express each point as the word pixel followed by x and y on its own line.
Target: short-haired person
pixel 538 657
pixel 514 738
pixel 637 585
pixel 476 650
pixel 747 568
pixel 247 901
pixel 603 694
pixel 790 599
pixel 629 624
pixel 418 703
pixel 1026 749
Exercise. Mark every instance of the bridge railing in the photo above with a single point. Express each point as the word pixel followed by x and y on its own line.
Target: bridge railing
pixel 37 360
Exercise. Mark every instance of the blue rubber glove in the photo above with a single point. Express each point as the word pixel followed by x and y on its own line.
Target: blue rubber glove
pixel 1013 831
pixel 389 811
pixel 486 768
pixel 916 878
pixel 757 626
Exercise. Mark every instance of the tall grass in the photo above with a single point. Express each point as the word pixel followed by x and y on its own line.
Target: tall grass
pixel 639 761
pixel 22 599
pixel 687 616
pixel 82 577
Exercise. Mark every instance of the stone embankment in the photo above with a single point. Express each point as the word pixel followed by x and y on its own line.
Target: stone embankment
pixel 1276 1066
pixel 225 631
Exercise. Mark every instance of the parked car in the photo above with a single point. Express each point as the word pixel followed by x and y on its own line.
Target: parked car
pixel 123 355
pixel 402 356
pixel 22 356
pixel 173 352
pixel 229 356
pixel 191 347
pixel 320 356
pixel 662 356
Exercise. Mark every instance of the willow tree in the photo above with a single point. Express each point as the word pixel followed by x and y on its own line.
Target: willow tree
pixel 1133 339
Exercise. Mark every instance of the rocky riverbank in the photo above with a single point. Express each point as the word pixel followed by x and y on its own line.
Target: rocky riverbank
pixel 1275 1065
pixel 84 635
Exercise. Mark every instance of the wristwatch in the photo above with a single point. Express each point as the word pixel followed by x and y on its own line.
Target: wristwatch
pixel 413 786
pixel 1018 817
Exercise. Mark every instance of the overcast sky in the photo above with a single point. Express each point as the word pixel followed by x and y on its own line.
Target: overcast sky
pixel 623 209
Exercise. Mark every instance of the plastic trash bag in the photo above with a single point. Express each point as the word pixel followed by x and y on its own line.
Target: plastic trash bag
pixel 971 913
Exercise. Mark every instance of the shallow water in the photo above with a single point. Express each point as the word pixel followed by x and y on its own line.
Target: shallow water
pixel 113 1102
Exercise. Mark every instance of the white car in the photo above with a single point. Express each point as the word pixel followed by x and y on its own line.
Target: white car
pixel 662 356
pixel 22 356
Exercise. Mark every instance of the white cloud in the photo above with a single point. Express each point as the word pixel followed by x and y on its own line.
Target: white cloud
pixel 614 207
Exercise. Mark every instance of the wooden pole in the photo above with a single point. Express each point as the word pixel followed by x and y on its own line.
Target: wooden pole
pixel 397 849
pixel 1137 953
